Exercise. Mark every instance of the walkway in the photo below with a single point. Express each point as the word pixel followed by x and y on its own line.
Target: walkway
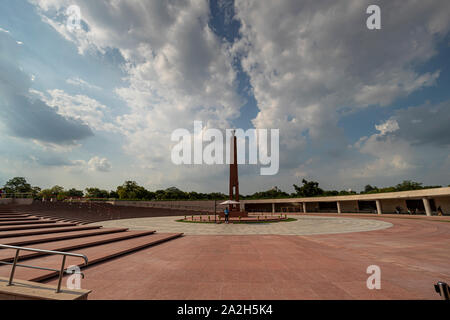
pixel 305 225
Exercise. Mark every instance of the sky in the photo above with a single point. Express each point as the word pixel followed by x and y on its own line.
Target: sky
pixel 96 106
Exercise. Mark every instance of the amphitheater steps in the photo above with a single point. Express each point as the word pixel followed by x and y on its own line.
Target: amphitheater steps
pixel 20 233
pixel 23 223
pixel 95 255
pixel 38 239
pixel 19 219
pixel 42 226
pixel 19 215
pixel 80 221
pixel 73 244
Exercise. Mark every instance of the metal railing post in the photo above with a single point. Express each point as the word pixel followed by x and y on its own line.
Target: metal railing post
pixel 13 270
pixel 443 289
pixel 61 274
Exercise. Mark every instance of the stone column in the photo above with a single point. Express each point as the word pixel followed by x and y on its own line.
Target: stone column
pixel 426 204
pixel 304 207
pixel 339 207
pixel 378 202
pixel 273 207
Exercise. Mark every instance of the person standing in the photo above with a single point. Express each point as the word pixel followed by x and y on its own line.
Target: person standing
pixel 227 213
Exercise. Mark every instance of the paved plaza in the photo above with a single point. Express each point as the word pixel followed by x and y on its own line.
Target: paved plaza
pixel 412 254
pixel 305 225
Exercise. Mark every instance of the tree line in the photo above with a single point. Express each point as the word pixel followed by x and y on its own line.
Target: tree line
pixel 130 190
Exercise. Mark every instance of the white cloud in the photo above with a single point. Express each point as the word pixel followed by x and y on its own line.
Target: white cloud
pixel 80 107
pixel 178 70
pixel 81 83
pixel 99 164
pixel 388 126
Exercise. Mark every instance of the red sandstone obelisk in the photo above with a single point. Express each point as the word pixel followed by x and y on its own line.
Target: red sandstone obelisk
pixel 234 180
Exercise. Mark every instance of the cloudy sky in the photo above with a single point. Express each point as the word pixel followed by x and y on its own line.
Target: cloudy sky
pixel 96 106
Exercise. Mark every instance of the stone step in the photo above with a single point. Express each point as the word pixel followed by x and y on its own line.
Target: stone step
pixel 22 233
pixel 35 239
pixel 31 222
pixel 95 255
pixel 73 244
pixel 14 215
pixel 65 219
pixel 19 219
pixel 27 290
pixel 42 226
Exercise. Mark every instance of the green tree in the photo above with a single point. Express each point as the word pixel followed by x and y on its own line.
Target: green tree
pixel 368 188
pixel 46 194
pixel 275 192
pixel 309 189
pixel 131 190
pixel 96 193
pixel 408 185
pixel 57 190
pixel 35 191
pixel 74 193
pixel 17 185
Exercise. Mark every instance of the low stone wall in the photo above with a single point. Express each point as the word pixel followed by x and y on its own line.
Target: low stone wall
pixel 207 205
pixel 9 201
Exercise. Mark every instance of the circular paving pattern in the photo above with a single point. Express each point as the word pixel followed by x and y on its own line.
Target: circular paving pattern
pixel 305 225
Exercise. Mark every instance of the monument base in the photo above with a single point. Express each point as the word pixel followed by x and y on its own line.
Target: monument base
pixel 234 214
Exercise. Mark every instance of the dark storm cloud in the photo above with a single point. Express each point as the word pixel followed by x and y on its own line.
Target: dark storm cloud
pixel 36 120
pixel 25 117
pixel 426 124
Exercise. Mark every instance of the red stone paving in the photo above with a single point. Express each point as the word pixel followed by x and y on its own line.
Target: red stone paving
pixel 413 255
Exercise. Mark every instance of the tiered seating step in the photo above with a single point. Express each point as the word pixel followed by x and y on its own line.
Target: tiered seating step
pixel 35 239
pixel 21 233
pixel 42 226
pixel 95 255
pixel 13 222
pixel 72 244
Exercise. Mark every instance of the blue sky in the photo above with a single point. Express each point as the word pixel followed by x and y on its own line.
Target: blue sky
pixel 97 106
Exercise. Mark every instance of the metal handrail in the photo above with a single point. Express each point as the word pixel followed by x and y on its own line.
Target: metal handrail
pixel 61 271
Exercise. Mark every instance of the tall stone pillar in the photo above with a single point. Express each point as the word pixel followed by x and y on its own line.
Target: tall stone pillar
pixel 234 180
pixel 304 207
pixel 273 207
pixel 378 203
pixel 339 207
pixel 426 204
